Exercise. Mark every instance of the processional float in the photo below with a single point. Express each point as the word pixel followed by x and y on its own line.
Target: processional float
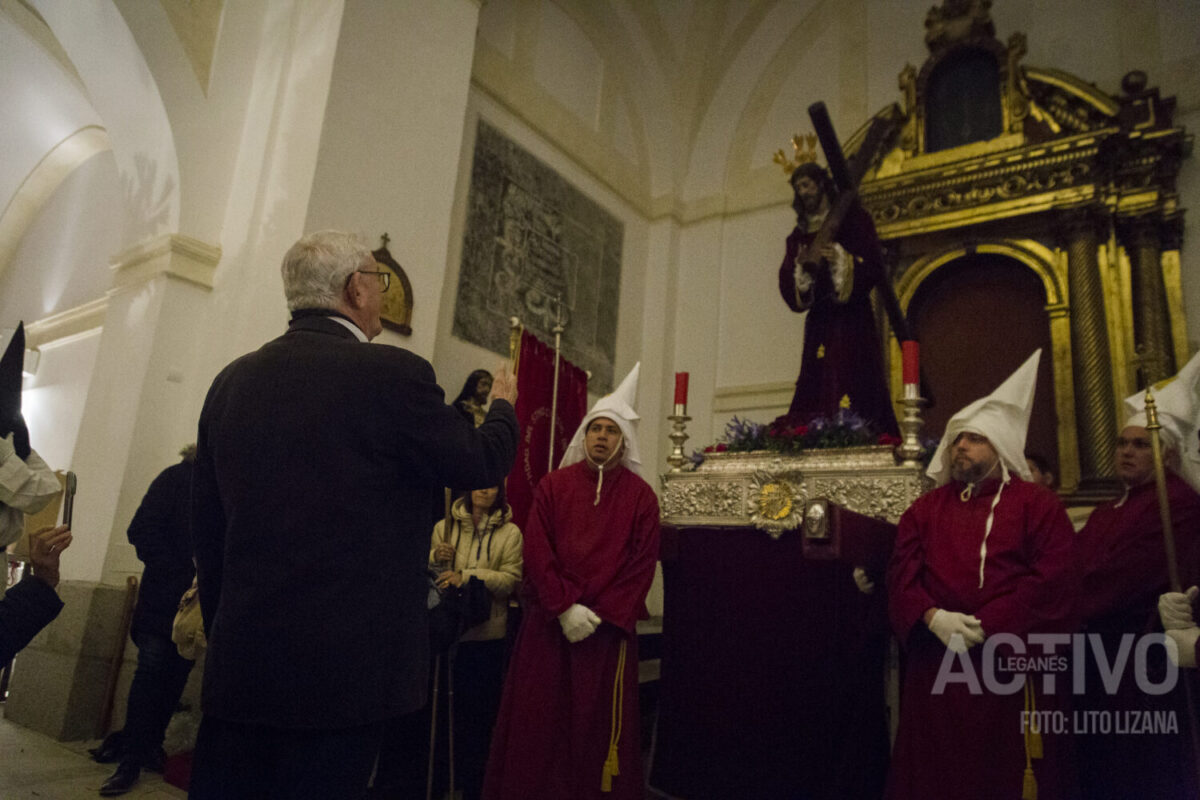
pixel 774 661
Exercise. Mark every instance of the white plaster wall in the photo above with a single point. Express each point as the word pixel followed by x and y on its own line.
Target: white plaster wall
pixel 698 336
pixel 52 400
pixel 122 90
pixel 287 66
pixel 760 335
pixel 894 38
pixel 208 121
pixel 168 389
pixel 391 140
pixel 41 104
pixel 162 341
pixel 62 260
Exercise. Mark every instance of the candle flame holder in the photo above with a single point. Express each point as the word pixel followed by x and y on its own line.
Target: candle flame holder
pixel 910 450
pixel 678 436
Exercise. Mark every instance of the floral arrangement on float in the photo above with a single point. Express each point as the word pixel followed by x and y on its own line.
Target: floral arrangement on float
pixel 843 429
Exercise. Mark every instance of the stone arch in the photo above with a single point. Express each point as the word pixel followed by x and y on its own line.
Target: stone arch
pixel 1047 267
pixel 122 89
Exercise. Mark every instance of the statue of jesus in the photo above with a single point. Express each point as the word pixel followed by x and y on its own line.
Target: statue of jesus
pixel 842 364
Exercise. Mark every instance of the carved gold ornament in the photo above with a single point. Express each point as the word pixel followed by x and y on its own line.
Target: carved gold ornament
pixel 775 504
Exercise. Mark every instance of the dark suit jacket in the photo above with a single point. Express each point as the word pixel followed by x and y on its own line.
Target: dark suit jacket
pixel 318 458
pixel 159 532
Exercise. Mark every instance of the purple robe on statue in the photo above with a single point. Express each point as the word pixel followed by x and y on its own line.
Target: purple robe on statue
pixel 842 357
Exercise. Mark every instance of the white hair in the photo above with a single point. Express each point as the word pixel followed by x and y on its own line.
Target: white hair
pixel 316 268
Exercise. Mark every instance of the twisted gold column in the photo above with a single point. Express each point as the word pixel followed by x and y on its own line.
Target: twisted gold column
pixel 1151 321
pixel 1095 417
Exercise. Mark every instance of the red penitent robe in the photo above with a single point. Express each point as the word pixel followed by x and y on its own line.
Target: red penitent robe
pixel 962 744
pixel 556 717
pixel 1121 553
pixel 842 353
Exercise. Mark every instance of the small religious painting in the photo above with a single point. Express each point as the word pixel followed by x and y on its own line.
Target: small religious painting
pixel 537 248
pixel 397 309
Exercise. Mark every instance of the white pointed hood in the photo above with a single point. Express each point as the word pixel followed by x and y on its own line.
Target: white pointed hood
pixel 1002 416
pixel 1178 404
pixel 618 407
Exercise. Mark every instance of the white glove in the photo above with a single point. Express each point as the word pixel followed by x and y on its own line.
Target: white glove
pixel 1175 609
pixel 959 632
pixel 864 584
pixel 1185 639
pixel 578 622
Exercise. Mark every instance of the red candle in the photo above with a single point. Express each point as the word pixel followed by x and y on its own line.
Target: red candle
pixel 681 381
pixel 911 351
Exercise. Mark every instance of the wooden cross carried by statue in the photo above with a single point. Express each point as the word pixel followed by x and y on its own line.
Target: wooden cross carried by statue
pixel 846 179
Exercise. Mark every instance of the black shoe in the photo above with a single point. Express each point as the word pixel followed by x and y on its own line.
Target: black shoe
pixel 121 781
pixel 156 762
pixel 111 750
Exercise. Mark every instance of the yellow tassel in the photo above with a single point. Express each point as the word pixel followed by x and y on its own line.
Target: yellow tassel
pixel 1033 734
pixel 1029 786
pixel 1035 744
pixel 1033 747
pixel 611 768
pixel 611 765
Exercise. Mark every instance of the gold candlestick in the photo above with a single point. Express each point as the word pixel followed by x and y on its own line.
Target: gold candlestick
pixel 678 435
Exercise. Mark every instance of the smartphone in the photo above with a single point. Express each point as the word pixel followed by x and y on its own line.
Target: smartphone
pixel 69 499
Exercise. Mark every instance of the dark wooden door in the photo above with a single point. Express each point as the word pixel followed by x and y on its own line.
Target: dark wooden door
pixel 978 318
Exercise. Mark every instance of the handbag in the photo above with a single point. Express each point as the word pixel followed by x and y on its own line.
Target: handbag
pixel 187 632
pixel 458 609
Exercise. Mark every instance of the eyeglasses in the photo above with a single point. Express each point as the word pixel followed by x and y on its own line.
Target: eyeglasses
pixel 385 277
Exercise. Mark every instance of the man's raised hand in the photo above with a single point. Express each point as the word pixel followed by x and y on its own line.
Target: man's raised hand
pixel 45 547
pixel 504 385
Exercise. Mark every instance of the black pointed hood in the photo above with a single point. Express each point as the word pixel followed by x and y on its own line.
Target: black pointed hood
pixel 11 365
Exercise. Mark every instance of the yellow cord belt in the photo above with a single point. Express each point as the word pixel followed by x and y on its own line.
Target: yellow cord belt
pixel 1033 744
pixel 611 765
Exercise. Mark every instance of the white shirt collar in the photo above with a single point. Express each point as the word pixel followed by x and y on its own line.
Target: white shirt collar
pixel 350 326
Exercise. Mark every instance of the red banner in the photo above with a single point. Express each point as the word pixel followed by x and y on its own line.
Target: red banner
pixel 535 388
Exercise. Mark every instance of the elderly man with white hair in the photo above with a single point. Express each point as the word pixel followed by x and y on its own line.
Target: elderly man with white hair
pixel 319 458
pixel 568 724
pixel 1124 563
pixel 985 553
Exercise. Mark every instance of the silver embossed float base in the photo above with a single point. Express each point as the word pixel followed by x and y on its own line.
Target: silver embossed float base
pixel 771 490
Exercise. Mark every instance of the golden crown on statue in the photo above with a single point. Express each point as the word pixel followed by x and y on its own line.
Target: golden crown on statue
pixel 805 148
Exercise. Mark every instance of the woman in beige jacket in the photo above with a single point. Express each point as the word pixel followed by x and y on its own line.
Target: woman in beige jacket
pixel 482 543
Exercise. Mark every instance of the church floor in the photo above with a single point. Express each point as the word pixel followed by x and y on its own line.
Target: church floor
pixel 35 767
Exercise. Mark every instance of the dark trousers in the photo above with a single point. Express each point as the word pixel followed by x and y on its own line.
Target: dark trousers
pixel 255 762
pixel 403 761
pixel 157 686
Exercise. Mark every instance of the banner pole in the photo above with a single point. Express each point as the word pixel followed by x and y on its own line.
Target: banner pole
pixel 558 332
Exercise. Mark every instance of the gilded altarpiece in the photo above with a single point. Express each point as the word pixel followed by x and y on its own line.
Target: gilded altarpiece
pixel 1078 187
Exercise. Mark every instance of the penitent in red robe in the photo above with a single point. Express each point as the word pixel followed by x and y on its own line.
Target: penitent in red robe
pixel 556 717
pixel 842 353
pixel 1124 563
pixel 958 745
